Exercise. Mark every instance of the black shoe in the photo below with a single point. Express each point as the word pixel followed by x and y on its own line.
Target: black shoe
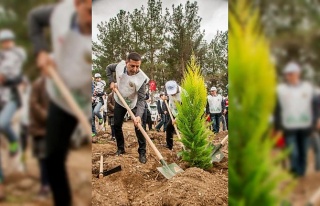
pixel 142 158
pixel 120 152
pixel 166 146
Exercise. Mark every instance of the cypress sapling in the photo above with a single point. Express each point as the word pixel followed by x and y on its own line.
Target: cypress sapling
pixel 191 119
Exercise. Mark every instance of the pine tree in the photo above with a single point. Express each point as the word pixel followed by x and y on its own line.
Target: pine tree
pixel 191 121
pixel 216 60
pixel 186 36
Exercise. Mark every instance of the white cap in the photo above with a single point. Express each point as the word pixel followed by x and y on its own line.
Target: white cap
pixel 171 87
pixel 6 34
pixel 97 75
pixel 292 67
pixel 213 89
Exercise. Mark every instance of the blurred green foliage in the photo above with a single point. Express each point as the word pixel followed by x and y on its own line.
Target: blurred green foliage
pixel 13 15
pixel 293 30
pixel 255 175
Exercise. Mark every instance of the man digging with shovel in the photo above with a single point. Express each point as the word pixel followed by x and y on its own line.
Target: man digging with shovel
pixel 70 28
pixel 174 92
pixel 131 82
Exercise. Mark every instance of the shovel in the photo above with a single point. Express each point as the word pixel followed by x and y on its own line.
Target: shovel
pixel 314 198
pixel 70 101
pixel 167 170
pixel 217 155
pixel 103 173
pixel 174 125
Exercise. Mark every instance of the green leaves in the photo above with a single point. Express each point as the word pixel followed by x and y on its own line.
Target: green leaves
pixel 255 175
pixel 191 120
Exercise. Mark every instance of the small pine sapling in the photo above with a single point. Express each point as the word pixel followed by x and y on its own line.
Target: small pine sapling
pixel 191 119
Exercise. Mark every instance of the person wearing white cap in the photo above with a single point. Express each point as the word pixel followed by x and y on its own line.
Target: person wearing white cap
pixel 215 107
pixel 98 102
pixel 174 92
pixel 131 83
pixel 12 58
pixel 295 115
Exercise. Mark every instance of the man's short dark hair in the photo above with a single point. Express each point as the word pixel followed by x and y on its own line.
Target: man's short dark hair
pixel 134 56
pixel 161 95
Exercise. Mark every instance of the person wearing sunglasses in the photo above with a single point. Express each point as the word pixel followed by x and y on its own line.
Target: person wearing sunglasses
pixel 131 82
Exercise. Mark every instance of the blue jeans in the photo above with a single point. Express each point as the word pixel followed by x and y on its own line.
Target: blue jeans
pixel 224 123
pixel 162 122
pixel 298 143
pixel 6 115
pixel 315 144
pixel 215 118
pixel 95 112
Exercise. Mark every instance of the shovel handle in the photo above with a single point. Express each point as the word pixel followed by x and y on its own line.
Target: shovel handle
pixel 174 125
pixel 69 99
pixel 224 140
pixel 315 197
pixel 101 167
pixel 171 117
pixel 139 125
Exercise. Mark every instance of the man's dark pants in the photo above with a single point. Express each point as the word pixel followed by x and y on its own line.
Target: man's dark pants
pixel 298 143
pixel 60 126
pixel 169 134
pixel 215 118
pixel 119 113
pixel 162 122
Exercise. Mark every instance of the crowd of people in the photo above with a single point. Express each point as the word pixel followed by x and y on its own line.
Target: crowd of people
pixel 45 120
pixel 131 83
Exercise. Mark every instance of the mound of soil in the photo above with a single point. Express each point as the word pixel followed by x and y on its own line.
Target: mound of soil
pixel 142 184
pixel 192 187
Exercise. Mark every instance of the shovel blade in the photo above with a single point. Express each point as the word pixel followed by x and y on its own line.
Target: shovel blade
pixel 217 156
pixel 168 171
pixel 111 171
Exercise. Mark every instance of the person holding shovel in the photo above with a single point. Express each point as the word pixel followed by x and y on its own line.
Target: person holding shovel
pixel 174 92
pixel 215 108
pixel 131 83
pixel 70 24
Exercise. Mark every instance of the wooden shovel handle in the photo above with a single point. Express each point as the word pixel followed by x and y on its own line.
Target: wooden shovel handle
pixel 224 140
pixel 101 167
pixel 174 125
pixel 139 125
pixel 315 197
pixel 69 99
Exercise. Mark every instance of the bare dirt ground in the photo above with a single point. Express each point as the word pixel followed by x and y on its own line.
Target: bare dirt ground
pixel 22 187
pixel 307 186
pixel 142 184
